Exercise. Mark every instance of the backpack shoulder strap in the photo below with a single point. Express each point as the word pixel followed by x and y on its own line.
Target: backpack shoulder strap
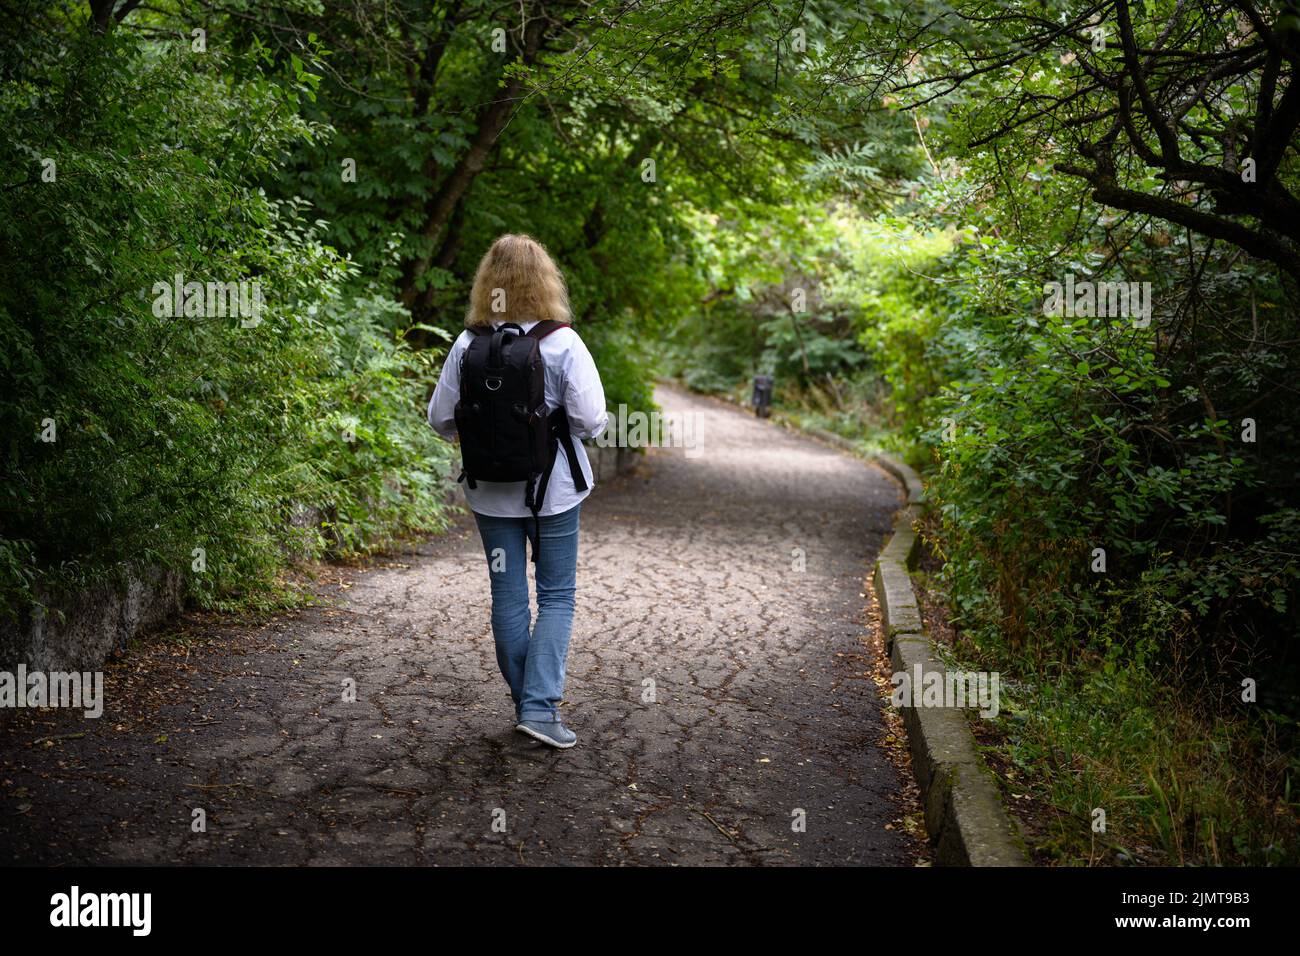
pixel 544 328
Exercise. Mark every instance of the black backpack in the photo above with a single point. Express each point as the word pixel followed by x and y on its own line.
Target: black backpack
pixel 506 433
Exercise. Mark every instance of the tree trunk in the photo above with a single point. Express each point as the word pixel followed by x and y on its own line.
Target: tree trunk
pixel 441 207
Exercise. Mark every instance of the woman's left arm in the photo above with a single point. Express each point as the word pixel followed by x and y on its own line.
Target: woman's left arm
pixel 442 406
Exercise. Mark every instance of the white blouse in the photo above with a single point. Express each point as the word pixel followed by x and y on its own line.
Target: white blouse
pixel 572 382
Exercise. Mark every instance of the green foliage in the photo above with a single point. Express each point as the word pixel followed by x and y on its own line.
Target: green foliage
pixel 1179 784
pixel 782 305
pixel 368 460
pixel 1056 436
pixel 1054 439
pixel 1046 437
pixel 195 431
pixel 887 283
pixel 624 360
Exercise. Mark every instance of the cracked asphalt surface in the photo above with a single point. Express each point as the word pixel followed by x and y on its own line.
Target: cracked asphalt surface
pixel 719 683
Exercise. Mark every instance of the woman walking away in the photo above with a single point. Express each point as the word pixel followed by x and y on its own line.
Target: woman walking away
pixel 520 390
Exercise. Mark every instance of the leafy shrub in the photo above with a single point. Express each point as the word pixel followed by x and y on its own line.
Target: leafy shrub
pixel 199 431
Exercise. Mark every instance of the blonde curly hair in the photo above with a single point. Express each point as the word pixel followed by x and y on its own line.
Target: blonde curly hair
pixel 517 281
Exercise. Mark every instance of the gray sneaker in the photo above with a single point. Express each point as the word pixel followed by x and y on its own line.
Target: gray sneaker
pixel 550 732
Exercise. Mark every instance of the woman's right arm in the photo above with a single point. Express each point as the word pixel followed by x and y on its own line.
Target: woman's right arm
pixel 584 395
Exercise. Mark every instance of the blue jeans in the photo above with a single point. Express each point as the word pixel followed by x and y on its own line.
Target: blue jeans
pixel 532 663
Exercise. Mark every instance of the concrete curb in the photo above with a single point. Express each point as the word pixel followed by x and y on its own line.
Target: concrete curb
pixel 963 811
